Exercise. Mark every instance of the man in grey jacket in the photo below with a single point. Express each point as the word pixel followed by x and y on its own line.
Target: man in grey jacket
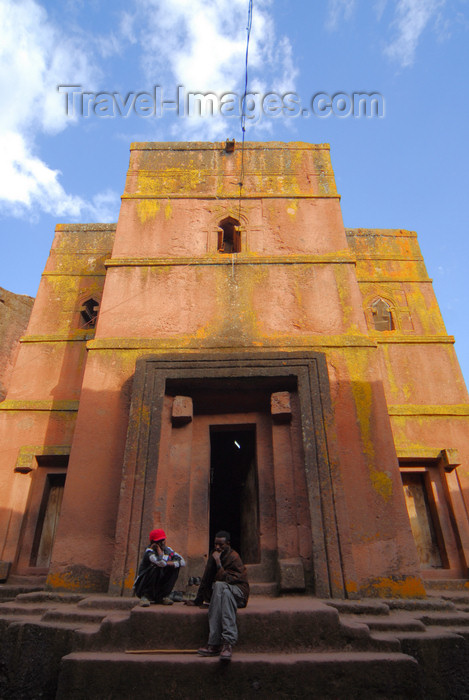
pixel 225 585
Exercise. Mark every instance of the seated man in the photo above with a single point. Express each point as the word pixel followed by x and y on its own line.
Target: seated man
pixel 158 571
pixel 226 586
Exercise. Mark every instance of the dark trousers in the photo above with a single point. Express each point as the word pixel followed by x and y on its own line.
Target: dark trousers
pixel 157 583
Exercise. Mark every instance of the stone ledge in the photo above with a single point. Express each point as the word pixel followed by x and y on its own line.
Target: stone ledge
pixel 220 145
pixel 239 259
pixel 75 337
pixel 66 228
pixel 216 197
pixel 386 338
pixel 429 410
pixel 381 232
pixel 41 405
pixel 189 344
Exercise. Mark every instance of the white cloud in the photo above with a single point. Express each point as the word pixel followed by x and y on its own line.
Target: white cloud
pixel 202 46
pixel 27 182
pixel 201 43
pixel 379 8
pixel 35 57
pixel 338 9
pixel 412 17
pixel 103 207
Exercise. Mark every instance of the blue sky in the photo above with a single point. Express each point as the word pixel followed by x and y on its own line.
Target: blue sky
pixel 407 169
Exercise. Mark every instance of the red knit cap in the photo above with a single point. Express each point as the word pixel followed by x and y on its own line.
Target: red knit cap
pixel 157 535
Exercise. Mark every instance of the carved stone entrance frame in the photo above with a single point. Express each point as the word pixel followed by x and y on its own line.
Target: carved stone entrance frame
pixel 309 371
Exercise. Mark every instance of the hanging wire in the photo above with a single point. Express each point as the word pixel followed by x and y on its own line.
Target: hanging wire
pixel 243 103
pixel 243 130
pixel 243 116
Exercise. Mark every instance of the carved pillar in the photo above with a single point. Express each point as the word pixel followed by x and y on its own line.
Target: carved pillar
pixel 291 572
pixel 176 474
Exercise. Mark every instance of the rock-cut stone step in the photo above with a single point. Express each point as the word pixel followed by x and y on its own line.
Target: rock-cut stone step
pixel 329 675
pixel 73 615
pixel 283 624
pixel 10 592
pixel 14 609
pixel 444 619
pixel 391 623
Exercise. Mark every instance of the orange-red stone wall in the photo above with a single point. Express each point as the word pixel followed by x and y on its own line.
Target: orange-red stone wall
pixel 300 282
pixel 427 399
pixel 293 286
pixel 15 310
pixel 38 416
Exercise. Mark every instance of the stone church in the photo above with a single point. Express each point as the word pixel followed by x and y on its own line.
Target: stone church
pixel 229 356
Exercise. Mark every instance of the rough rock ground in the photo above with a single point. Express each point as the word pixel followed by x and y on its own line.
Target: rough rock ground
pixel 72 646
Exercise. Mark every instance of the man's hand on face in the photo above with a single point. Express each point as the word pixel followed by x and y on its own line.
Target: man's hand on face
pixel 159 547
pixel 216 556
pixel 221 545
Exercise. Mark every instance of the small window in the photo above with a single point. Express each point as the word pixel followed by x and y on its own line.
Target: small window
pixel 229 236
pixel 382 316
pixel 89 313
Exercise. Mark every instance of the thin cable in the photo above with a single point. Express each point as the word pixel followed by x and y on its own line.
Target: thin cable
pixel 243 103
pixel 243 116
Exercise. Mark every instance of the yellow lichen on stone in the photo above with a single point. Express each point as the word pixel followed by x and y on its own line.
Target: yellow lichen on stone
pixel 343 289
pixel 59 582
pixel 147 209
pixel 129 580
pixel 387 587
pixel 382 483
pixel 357 363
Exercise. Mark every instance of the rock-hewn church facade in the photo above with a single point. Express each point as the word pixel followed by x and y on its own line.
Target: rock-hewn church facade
pixel 230 356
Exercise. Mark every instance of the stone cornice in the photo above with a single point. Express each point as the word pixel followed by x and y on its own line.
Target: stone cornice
pixel 390 256
pixel 429 410
pixel 63 406
pixel 392 280
pixel 412 339
pixel 75 337
pixel 78 273
pixel 190 343
pixel 237 259
pixel 205 196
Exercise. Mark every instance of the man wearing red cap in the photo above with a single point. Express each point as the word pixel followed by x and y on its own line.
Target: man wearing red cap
pixel 158 571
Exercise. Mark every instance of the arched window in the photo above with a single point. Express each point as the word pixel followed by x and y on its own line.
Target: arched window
pixel 382 316
pixel 229 236
pixel 89 313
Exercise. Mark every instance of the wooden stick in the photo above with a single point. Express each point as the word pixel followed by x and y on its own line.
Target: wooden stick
pixel 161 651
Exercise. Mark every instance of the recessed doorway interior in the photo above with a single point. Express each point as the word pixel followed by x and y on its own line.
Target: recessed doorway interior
pixel 48 520
pixel 234 488
pixel 422 520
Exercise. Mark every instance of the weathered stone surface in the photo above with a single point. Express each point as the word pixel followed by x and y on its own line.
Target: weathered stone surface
pixel 291 574
pixel 59 649
pixel 280 676
pixel 4 570
pixel 182 410
pixel 290 311
pixel 15 310
pixel 280 406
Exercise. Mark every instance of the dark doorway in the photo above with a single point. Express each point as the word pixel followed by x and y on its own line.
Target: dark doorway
pixel 233 488
pixel 423 522
pixel 47 521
